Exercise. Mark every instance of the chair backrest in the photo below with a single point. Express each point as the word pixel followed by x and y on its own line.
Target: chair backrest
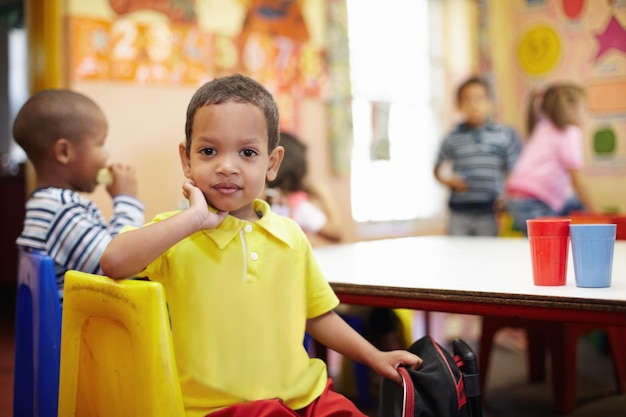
pixel 117 357
pixel 37 337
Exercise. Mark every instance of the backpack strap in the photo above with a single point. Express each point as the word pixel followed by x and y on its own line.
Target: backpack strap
pixel 408 397
pixel 460 388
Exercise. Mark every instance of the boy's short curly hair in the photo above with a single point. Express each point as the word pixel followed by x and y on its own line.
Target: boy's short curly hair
pixel 473 81
pixel 237 89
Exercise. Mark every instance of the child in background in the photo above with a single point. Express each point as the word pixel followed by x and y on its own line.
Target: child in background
pixel 550 163
pixel 63 134
pixel 482 154
pixel 242 282
pixel 294 195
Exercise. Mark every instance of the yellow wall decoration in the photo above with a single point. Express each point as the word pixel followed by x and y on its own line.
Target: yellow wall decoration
pixel 539 50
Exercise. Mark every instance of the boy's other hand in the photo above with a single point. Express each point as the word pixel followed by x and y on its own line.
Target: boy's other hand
pixel 124 180
pixel 457 183
pixel 499 205
pixel 388 362
pixel 206 217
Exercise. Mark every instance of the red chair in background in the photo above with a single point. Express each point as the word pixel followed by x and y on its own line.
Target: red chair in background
pixel 620 221
pixel 561 339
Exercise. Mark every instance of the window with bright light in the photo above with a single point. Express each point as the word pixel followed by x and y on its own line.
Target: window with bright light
pixel 18 84
pixel 396 128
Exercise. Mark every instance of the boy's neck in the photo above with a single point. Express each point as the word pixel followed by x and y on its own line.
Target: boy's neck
pixel 476 125
pixel 247 213
pixel 46 180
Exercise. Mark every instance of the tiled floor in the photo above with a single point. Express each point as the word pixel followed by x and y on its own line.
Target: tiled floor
pixel 509 394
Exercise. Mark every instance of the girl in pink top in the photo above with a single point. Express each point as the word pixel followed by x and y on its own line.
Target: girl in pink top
pixel 546 179
pixel 292 194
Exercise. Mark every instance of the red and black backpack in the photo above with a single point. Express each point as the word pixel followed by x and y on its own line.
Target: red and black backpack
pixel 444 386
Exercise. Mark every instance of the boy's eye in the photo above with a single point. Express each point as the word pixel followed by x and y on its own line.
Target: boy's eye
pixel 207 151
pixel 248 153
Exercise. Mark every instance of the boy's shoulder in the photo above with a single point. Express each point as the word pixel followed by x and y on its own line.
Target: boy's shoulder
pixel 499 127
pixel 508 134
pixel 57 196
pixel 463 133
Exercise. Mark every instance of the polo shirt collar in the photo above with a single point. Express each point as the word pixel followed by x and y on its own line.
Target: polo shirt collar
pixel 269 221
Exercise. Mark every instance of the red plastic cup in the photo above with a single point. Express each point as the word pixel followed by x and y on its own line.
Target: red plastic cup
pixel 549 240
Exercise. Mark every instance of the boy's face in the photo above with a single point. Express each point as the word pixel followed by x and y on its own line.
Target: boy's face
pixel 88 157
pixel 228 157
pixel 475 104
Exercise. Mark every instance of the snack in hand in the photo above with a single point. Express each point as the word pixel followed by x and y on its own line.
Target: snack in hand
pixel 104 177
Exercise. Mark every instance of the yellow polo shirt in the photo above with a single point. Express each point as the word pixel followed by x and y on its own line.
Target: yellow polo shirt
pixel 239 297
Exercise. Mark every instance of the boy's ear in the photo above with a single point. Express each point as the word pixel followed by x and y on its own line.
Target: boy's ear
pixel 63 151
pixel 275 158
pixel 184 159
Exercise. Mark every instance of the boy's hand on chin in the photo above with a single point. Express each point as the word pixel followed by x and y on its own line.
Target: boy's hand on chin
pixel 206 218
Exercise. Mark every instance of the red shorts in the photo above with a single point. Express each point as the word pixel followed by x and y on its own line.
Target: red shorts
pixel 329 404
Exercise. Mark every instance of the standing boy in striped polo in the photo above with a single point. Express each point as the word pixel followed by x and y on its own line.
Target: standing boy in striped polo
pixel 63 134
pixel 482 154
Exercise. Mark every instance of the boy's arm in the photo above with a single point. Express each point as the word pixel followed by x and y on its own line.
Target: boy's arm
pixel 514 149
pixel 130 252
pixel 127 211
pixel 455 182
pixel 333 332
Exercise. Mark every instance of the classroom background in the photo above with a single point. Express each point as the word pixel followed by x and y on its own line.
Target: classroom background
pixel 141 60
pixel 368 85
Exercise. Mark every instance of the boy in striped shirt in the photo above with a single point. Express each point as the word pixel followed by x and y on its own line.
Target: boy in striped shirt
pixel 482 154
pixel 63 133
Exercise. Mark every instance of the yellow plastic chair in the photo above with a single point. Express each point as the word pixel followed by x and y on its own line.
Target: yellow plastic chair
pixel 117 357
pixel 406 318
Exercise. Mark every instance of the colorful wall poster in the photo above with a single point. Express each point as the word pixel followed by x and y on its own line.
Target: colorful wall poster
pixel 169 42
pixel 584 42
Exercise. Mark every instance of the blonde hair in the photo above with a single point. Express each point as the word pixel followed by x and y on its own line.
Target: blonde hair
pixel 558 103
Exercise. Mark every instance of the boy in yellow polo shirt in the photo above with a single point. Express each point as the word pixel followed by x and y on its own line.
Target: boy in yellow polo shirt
pixel 242 283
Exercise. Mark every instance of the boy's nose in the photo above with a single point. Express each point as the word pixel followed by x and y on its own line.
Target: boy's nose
pixel 226 165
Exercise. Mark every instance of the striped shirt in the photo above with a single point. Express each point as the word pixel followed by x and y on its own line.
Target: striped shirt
pixel 483 157
pixel 71 229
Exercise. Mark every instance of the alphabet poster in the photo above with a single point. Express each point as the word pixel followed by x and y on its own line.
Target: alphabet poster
pixel 181 43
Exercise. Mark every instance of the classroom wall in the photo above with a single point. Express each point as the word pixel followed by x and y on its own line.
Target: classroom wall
pixel 484 36
pixel 533 43
pixel 147 119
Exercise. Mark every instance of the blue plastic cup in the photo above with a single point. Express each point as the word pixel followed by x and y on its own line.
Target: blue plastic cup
pixel 592 250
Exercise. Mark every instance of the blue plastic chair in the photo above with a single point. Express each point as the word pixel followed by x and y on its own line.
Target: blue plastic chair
pixel 37 338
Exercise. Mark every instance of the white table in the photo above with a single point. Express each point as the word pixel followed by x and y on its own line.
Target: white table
pixel 482 276
pixel 470 275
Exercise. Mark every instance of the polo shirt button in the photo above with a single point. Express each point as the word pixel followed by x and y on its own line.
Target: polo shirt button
pixel 248 228
pixel 254 256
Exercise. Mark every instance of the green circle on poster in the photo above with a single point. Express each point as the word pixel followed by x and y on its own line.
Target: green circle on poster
pixel 539 50
pixel 604 141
